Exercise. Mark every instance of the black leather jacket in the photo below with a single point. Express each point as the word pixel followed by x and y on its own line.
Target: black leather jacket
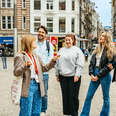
pixel 103 66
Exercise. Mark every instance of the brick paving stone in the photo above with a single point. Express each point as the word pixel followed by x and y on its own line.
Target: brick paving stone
pixel 54 93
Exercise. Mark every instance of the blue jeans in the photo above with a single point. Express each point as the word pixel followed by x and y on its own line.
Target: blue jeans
pixel 4 63
pixel 105 84
pixel 45 98
pixel 31 106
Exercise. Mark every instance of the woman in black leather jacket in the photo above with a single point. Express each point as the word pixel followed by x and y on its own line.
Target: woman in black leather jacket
pixel 102 62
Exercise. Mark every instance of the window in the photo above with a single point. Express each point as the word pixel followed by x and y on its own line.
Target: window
pixel 3 3
pixel 8 3
pixel 3 22
pixel 62 25
pixel 49 4
pixel 24 22
pixel 23 3
pixel 9 22
pixel 73 25
pixel 73 5
pixel 37 4
pixel 37 23
pixel 62 4
pixel 50 24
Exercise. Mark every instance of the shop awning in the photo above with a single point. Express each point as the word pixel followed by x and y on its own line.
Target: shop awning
pixel 6 40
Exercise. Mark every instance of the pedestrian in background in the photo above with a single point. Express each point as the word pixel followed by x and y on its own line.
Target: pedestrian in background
pixel 30 66
pixel 45 51
pixel 99 70
pixel 4 58
pixel 68 72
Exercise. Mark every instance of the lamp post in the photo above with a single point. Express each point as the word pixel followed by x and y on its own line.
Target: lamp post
pixel 15 30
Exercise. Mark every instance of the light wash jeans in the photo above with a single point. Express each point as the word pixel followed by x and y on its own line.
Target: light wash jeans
pixel 31 106
pixel 105 84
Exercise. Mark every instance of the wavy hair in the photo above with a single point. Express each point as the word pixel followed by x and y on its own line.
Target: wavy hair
pixel 26 43
pixel 109 45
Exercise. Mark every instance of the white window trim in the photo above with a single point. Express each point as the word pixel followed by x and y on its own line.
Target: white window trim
pixel 59 25
pixel 11 22
pixel 50 22
pixel 40 6
pixel 36 22
pixel 7 4
pixel 59 5
pixel 49 4
pixel 1 4
pixel 6 21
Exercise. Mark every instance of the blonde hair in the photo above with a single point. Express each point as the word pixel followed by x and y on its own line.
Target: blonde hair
pixel 26 43
pixel 109 45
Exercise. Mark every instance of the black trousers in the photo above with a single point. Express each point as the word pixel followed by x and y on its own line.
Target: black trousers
pixel 70 94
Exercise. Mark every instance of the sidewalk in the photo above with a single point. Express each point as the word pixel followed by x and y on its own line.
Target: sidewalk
pixel 55 100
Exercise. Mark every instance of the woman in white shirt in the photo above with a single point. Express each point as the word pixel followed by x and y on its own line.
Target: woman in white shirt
pixel 99 71
pixel 68 72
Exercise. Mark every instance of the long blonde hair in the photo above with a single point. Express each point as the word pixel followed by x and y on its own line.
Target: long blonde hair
pixel 26 43
pixel 108 45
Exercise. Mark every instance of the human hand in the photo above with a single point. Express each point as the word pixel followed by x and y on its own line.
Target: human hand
pixel 93 78
pixel 55 57
pixel 28 63
pixel 76 78
pixel 57 79
pixel 110 66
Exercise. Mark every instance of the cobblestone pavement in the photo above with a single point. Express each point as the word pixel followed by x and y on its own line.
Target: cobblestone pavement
pixel 54 100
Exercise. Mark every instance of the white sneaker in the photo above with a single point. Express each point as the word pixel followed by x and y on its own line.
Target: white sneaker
pixel 43 114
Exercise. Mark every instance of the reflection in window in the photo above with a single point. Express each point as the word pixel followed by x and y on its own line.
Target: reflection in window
pixel 73 25
pixel 3 22
pixel 62 4
pixel 49 4
pixel 73 4
pixel 9 22
pixel 3 3
pixel 50 24
pixel 24 22
pixel 37 4
pixel 62 24
pixel 37 23
pixel 24 3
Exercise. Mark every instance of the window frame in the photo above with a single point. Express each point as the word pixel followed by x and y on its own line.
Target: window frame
pixel 39 3
pixel 39 22
pixel 49 22
pixel 60 8
pixel 2 4
pixel 60 31
pixel 50 4
pixel 24 4
pixel 73 25
pixel 23 23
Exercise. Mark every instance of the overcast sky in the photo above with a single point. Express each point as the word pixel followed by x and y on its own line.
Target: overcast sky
pixel 104 11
